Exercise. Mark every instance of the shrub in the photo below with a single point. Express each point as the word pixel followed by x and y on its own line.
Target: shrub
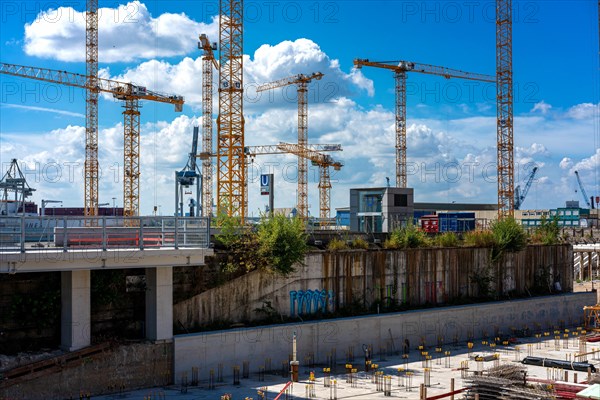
pixel 407 237
pixel 282 243
pixel 483 238
pixel 508 235
pixel 337 244
pixel 360 243
pixel 548 232
pixel 447 239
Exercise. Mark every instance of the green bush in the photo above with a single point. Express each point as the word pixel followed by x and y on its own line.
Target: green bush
pixel 483 238
pixel 282 242
pixel 447 239
pixel 509 235
pixel 548 232
pixel 360 243
pixel 337 244
pixel 407 237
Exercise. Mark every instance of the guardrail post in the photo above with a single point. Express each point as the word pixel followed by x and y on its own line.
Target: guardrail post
pixel 141 236
pixel 176 241
pixel 65 239
pixel 22 233
pixel 104 233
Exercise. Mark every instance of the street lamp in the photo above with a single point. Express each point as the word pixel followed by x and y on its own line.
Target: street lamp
pixel 114 199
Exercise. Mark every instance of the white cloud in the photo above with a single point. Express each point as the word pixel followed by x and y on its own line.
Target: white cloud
pixel 269 63
pixel 126 33
pixel 566 163
pixel 542 107
pixel 44 109
pixel 583 111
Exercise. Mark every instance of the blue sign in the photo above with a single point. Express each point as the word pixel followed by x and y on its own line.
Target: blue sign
pixel 266 184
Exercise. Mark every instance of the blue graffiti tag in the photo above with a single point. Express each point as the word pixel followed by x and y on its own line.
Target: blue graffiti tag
pixel 310 301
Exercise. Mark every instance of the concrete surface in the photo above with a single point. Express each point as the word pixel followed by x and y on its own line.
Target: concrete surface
pixel 347 335
pixel 75 332
pixel 443 369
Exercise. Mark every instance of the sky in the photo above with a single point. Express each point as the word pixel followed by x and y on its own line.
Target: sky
pixel 451 123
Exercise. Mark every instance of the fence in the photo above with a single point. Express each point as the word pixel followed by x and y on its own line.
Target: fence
pixel 27 233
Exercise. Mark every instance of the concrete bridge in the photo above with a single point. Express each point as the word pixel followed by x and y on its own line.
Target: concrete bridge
pixel 586 261
pixel 186 244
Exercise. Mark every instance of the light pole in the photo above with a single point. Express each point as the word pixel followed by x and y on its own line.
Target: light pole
pixel 114 199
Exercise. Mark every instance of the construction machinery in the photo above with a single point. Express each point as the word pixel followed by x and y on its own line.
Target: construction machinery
pixel 584 193
pixel 189 176
pixel 45 202
pixel 301 81
pixel 127 92
pixel 208 62
pixel 313 153
pixel 91 170
pixel 15 190
pixel 504 109
pixel 520 196
pixel 231 169
pixel 400 69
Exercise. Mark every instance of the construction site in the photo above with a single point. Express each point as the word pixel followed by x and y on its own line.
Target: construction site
pixel 394 291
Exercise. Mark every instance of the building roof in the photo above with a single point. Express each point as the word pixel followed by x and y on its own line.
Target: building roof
pixel 455 207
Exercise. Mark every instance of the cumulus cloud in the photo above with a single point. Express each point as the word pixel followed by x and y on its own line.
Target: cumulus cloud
pixel 541 107
pixel 583 111
pixel 269 63
pixel 126 33
pixel 566 163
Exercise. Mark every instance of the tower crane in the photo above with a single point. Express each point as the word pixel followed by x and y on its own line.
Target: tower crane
pixel 208 62
pixel 188 176
pixel 91 110
pixel 583 192
pixel 302 82
pixel 127 92
pixel 314 153
pixel 504 109
pixel 520 197
pixel 14 181
pixel 231 169
pixel 400 69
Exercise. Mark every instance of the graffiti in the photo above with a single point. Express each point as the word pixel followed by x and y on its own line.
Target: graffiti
pixel 310 301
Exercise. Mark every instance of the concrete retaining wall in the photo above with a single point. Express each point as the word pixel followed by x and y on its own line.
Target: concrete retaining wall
pixel 233 347
pixel 415 277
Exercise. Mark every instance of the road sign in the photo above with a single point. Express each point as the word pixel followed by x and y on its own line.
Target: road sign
pixel 266 184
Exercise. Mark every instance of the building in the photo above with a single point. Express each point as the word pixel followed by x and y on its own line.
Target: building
pixel 380 210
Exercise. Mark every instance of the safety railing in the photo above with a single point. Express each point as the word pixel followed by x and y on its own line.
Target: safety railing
pixel 28 233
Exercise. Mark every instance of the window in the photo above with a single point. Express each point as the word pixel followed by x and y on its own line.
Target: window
pixel 400 200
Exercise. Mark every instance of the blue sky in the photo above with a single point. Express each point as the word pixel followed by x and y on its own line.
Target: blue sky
pixel 451 123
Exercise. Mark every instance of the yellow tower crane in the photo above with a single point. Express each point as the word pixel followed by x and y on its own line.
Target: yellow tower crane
pixel 131 95
pixel 91 110
pixel 302 82
pixel 208 62
pixel 312 152
pixel 504 109
pixel 400 69
pixel 231 169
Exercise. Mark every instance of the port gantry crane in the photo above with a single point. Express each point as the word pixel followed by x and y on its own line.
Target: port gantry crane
pixel 504 109
pixel 520 196
pixel 301 81
pixel 127 92
pixel 400 69
pixel 583 192
pixel 312 152
pixel 91 176
pixel 208 62
pixel 231 169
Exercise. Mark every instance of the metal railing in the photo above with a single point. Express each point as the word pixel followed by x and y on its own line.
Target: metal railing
pixel 28 233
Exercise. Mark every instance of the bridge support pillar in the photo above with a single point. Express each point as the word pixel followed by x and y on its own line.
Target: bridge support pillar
pixel 159 303
pixel 75 310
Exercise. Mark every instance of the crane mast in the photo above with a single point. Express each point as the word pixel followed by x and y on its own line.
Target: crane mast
pixel 400 70
pixel 504 109
pixel 130 94
pixel 91 127
pixel 231 170
pixel 302 82
pixel 208 62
